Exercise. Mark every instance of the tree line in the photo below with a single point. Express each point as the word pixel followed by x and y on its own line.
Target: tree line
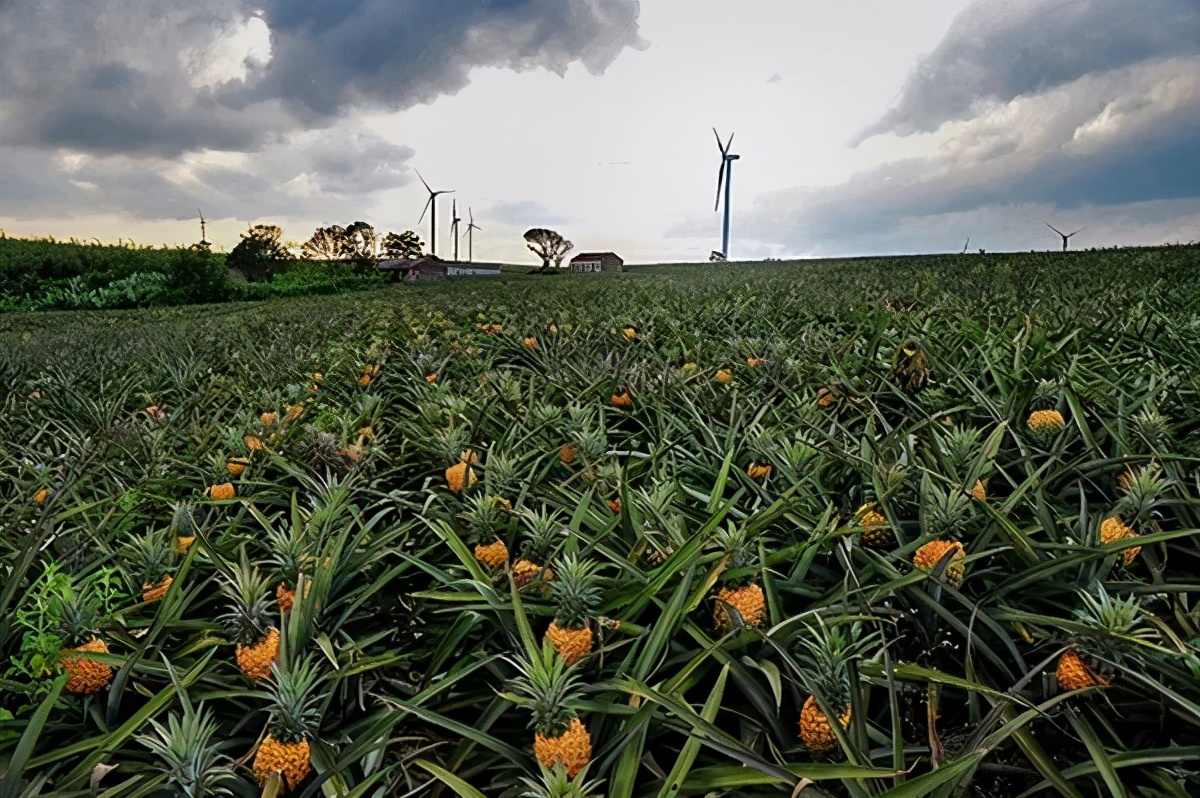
pixel 262 250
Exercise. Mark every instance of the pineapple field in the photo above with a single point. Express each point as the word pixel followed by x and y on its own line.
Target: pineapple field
pixel 906 527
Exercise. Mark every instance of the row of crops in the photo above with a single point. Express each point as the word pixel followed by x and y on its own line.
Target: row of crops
pixel 897 528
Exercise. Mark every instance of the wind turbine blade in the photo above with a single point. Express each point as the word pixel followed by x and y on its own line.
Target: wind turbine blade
pixel 428 202
pixel 728 144
pixel 1080 230
pixel 1052 227
pixel 719 147
pixel 720 180
pixel 427 188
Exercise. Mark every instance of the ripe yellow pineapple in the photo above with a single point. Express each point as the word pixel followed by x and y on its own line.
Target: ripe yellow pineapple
pixel 978 491
pixel 252 443
pixel 294 719
pixel 493 555
pixel 928 556
pixel 757 470
pixel 222 491
pixel 1073 673
pixel 572 748
pixel 560 737
pixel 815 729
pixel 1113 531
pixel 461 476
pixel 1045 423
pixel 825 653
pixel 748 600
pixel 78 615
pixel 577 594
pixel 236 465
pixel 740 592
pixel 156 591
pixel 247 621
pixel 755 362
pixel 568 453
pixel 531 343
pixel 724 375
pixel 621 398
pixel 877 532
pixel 40 497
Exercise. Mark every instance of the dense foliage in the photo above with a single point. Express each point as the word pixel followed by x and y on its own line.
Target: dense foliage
pixel 907 527
pixel 44 274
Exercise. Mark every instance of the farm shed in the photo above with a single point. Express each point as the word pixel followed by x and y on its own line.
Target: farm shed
pixel 434 268
pixel 597 262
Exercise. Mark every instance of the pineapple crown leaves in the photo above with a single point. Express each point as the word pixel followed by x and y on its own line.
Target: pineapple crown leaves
pixel 741 553
pixel 545 684
pixel 78 614
pixel 1113 627
pixel 501 476
pixel 294 705
pixel 150 557
pixel 545 529
pixel 943 512
pixel 826 651
pixel 484 514
pixel 575 590
pixel 1046 394
pixel 1142 490
pixel 193 765
pixel 1151 429
pixel 555 783
pixel 248 619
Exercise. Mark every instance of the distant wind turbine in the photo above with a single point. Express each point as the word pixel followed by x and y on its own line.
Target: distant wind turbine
pixel 454 220
pixel 964 249
pixel 471 227
pixel 724 175
pixel 203 228
pixel 1065 236
pixel 431 206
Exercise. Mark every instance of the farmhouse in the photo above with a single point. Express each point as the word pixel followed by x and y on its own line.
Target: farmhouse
pixel 597 262
pixel 432 267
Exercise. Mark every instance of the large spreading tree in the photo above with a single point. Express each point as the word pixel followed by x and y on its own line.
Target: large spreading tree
pixel 547 245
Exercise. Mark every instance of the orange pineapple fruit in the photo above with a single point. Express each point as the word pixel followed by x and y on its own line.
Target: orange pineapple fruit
pixel 221 492
pixel 256 660
pixel 156 592
pixel 815 729
pixel 928 556
pixel 748 600
pixel 87 675
pixel 493 555
pixel 1045 422
pixel 1073 673
pixel 572 748
pixel 571 644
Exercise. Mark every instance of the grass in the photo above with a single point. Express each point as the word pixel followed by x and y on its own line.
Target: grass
pixel 898 385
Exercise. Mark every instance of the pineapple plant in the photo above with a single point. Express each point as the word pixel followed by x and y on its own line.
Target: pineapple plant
pixel 910 368
pixel 183 526
pixel 149 559
pixel 555 783
pixel 186 753
pixel 294 720
pixel 577 594
pixel 484 517
pixel 1109 632
pixel 248 620
pixel 288 557
pixel 928 557
pixel 560 737
pixel 739 592
pixel 545 529
pixel 78 618
pixel 824 655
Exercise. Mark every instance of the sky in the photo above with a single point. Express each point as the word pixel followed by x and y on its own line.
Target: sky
pixel 864 126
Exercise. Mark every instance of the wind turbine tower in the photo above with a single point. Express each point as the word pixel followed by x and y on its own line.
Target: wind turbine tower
pixel 1065 236
pixel 431 206
pixel 454 220
pixel 471 227
pixel 724 175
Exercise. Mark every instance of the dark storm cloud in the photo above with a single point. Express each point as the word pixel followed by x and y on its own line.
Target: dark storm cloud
pixel 998 50
pixel 128 77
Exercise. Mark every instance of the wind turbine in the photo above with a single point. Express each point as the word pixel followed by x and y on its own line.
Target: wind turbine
pixel 1065 236
pixel 471 227
pixel 203 228
pixel 431 205
pixel 724 175
pixel 454 220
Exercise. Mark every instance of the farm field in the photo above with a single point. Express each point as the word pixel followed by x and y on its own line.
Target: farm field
pixel 898 527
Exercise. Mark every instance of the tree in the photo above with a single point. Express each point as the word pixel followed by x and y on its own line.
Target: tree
pixel 361 242
pixel 327 243
pixel 547 245
pixel 404 246
pixel 259 253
